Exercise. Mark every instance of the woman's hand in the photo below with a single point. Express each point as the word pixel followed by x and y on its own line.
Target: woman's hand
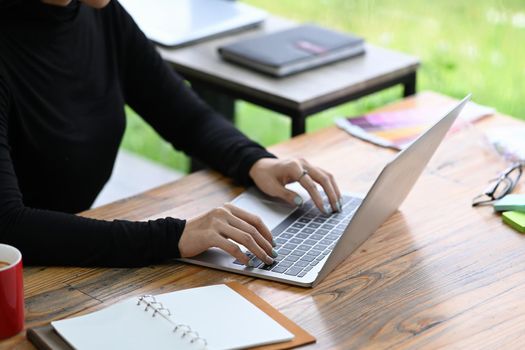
pixel 216 227
pixel 271 175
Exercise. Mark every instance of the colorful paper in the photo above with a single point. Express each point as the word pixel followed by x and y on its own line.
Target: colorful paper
pixel 397 129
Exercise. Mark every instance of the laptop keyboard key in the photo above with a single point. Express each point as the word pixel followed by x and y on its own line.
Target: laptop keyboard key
pixel 301 263
pixel 296 241
pixel 297 253
pixel 286 264
pixel 256 262
pixel 321 246
pixel 268 267
pixel 286 235
pixel 310 242
pixel 280 240
pixel 283 251
pixel 292 258
pixel 308 258
pixel 279 269
pixel 292 230
pixel 293 271
pixel 314 252
pixel 308 230
pixel 291 246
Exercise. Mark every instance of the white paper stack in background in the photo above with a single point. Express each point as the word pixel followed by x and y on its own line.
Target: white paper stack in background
pixel 509 142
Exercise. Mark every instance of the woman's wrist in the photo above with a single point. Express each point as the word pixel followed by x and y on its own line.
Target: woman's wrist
pixel 259 166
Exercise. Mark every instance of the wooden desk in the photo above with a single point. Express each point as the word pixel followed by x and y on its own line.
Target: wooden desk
pixel 438 273
pixel 296 96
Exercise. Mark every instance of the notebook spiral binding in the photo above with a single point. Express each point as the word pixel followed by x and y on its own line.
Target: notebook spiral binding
pixel 158 309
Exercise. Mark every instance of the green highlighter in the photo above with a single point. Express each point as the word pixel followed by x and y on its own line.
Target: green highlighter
pixel 515 219
pixel 511 202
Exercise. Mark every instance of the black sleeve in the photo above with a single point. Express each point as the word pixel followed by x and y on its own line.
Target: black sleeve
pixel 166 102
pixel 53 238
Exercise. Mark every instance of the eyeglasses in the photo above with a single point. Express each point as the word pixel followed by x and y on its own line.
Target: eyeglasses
pixel 500 186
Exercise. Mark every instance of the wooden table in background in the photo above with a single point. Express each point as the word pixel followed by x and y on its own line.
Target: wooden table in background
pixel 297 96
pixel 438 273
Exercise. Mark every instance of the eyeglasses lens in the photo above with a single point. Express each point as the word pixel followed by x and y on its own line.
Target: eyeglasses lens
pixel 502 188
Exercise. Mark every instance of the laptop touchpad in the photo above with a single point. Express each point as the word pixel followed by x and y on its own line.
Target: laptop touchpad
pixel 271 210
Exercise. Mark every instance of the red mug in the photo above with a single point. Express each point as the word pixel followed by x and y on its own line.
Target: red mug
pixel 11 292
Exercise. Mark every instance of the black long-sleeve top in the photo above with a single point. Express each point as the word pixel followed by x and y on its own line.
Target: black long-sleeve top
pixel 65 75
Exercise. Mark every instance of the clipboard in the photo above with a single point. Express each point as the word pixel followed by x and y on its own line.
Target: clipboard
pixel 46 338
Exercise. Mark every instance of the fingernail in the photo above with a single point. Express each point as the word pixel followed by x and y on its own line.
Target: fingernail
pixel 274 253
pixel 327 209
pixel 340 201
pixel 338 206
pixel 298 200
pixel 250 263
pixel 269 260
pixel 273 243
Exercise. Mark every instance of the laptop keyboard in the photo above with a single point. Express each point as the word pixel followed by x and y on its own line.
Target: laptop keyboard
pixel 305 237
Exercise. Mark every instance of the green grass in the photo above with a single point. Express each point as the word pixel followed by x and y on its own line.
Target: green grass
pixel 464 46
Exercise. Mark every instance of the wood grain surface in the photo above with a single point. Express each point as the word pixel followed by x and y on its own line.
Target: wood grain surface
pixel 437 274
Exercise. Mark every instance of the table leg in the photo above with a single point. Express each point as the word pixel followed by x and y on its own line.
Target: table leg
pixel 409 86
pixel 221 103
pixel 298 124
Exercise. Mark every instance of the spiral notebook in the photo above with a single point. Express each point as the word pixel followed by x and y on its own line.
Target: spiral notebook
pixel 214 317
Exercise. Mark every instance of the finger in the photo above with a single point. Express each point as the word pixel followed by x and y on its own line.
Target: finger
pixel 287 195
pixel 336 189
pixel 335 186
pixel 288 172
pixel 232 249
pixel 246 240
pixel 245 227
pixel 323 179
pixel 307 182
pixel 291 172
pixel 255 222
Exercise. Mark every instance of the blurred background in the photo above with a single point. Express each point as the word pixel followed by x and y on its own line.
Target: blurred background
pixel 464 46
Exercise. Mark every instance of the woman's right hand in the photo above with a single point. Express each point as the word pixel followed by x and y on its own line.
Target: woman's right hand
pixel 215 229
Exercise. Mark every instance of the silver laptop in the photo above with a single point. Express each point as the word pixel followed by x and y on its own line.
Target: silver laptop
pixel 182 22
pixel 311 244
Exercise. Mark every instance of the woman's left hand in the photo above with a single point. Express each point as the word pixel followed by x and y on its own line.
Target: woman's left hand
pixel 271 175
